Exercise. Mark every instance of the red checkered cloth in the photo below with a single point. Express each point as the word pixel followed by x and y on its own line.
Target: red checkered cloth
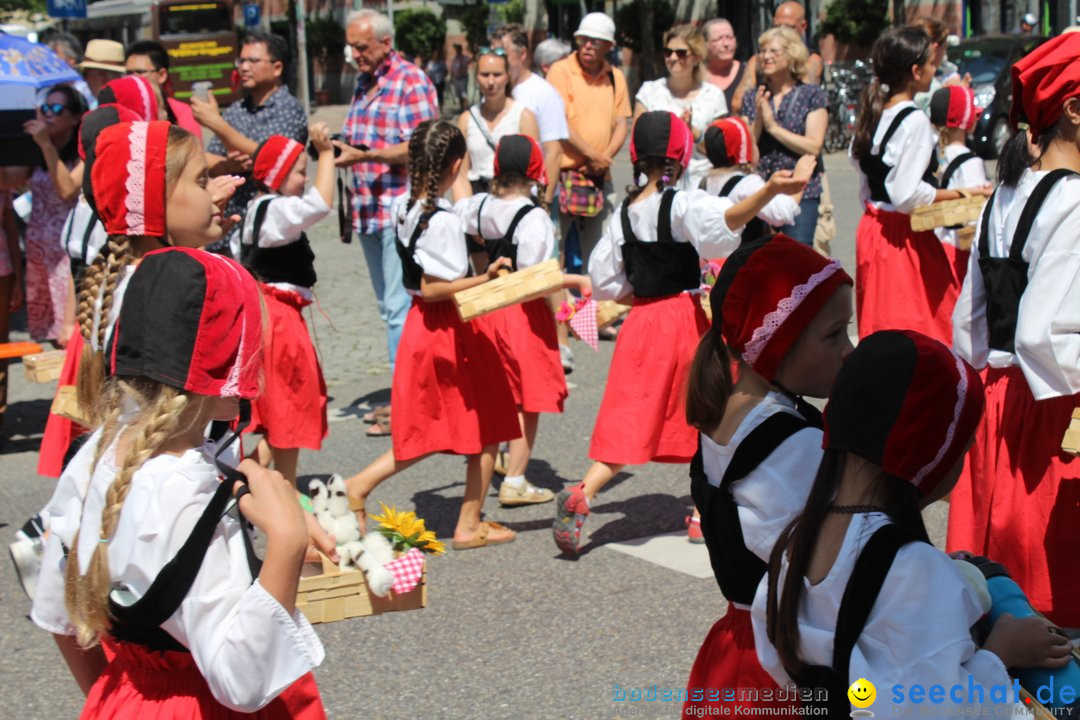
pixel 583 323
pixel 407 570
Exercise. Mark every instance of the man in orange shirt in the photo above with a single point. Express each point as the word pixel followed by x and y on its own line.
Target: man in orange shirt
pixel 597 116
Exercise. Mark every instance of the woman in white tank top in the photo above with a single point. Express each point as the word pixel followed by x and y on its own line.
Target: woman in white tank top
pixel 483 124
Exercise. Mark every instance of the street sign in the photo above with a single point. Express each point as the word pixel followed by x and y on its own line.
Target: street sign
pixel 252 14
pixel 66 8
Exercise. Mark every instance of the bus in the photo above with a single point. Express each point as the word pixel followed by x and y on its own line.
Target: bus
pixel 199 35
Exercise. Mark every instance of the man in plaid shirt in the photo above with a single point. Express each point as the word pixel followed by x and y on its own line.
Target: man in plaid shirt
pixel 392 97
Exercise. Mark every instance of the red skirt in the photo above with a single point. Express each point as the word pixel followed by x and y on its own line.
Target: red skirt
pixel 291 409
pixel 59 431
pixel 145 685
pixel 727 663
pixel 450 391
pixel 642 417
pixel 903 280
pixel 1020 504
pixel 528 346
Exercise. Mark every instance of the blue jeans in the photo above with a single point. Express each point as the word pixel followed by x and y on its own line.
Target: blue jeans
pixel 384 268
pixel 803 228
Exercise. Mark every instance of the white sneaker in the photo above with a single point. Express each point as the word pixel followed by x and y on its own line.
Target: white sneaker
pixel 567 357
pixel 26 554
pixel 527 494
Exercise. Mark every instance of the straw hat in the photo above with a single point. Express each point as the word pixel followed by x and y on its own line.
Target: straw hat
pixel 104 55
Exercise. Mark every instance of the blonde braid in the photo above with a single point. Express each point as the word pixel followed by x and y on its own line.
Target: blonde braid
pixel 89 289
pixel 100 282
pixel 88 595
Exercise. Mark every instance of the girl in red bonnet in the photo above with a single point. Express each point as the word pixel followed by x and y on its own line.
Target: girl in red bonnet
pixel 652 251
pixel 781 311
pixel 160 606
pixel 1019 318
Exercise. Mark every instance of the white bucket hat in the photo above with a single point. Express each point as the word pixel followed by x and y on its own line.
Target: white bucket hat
pixel 597 25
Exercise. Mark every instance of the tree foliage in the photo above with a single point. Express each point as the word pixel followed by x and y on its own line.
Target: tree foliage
pixel 418 32
pixel 858 22
pixel 630 31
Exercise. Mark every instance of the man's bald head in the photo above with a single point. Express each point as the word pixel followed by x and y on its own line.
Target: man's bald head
pixel 790 14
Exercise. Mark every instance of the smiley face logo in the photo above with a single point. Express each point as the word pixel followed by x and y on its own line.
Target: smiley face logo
pixel 862 693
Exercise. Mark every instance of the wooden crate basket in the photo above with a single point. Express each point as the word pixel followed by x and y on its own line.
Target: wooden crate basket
pixel 947 213
pixel 965 236
pixel 66 405
pixel 44 367
pixel 518 287
pixel 337 594
pixel 1071 442
pixel 608 311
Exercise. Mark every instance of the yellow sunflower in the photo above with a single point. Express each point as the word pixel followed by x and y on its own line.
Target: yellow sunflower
pixel 405 530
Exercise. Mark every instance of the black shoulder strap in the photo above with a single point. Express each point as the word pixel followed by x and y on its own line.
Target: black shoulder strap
pixel 345 227
pixel 1031 209
pixel 421 223
pixel 730 185
pixel 894 126
pixel 760 443
pixel 663 220
pixel 257 223
pixel 984 226
pixel 624 218
pixel 952 167
pixel 518 217
pixel 863 588
pixel 479 210
pixel 611 77
pixel 174 581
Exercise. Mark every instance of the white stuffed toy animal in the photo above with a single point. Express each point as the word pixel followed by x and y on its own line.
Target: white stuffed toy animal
pixel 369 553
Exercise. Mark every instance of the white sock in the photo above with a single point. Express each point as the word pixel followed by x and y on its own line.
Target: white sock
pixel 515 482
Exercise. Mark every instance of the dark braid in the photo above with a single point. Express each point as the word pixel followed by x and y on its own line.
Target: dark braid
pixel 671 172
pixel 417 160
pixel 443 146
pixel 646 166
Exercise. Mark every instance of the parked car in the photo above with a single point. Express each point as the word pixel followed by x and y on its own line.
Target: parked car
pixel 988 60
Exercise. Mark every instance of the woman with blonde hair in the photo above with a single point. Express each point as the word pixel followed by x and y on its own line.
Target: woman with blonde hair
pixel 684 93
pixel 788 118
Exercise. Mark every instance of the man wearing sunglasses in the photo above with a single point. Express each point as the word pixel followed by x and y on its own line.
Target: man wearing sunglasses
pixel 597 115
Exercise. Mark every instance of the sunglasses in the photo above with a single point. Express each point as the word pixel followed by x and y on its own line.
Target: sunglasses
pixel 53 108
pixel 492 51
pixel 681 53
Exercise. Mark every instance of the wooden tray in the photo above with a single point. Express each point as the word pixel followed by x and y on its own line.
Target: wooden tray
pixel 66 405
pixel 947 213
pixel 1071 442
pixel 44 367
pixel 510 289
pixel 337 595
pixel 608 311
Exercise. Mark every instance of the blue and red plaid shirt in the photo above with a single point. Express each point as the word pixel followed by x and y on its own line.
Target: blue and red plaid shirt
pixel 405 98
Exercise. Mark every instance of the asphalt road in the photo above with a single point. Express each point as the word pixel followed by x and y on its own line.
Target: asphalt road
pixel 509 632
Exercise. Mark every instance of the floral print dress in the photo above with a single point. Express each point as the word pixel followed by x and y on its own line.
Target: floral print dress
pixel 48 269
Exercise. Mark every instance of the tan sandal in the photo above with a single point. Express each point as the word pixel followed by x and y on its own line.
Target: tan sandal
pixel 481 539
